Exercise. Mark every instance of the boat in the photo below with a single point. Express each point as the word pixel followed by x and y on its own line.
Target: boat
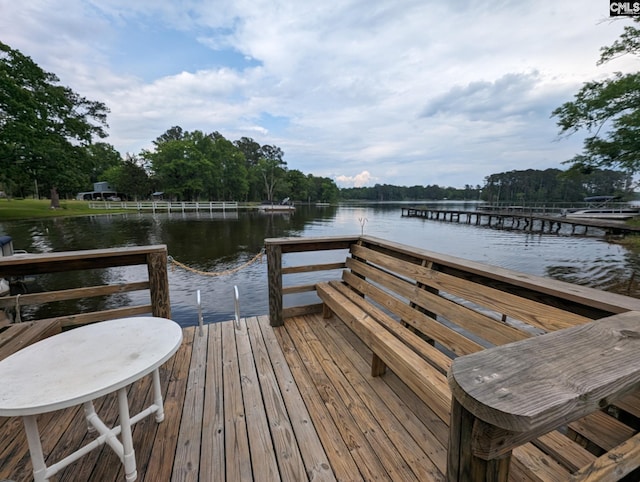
pixel 5 287
pixel 6 249
pixel 271 206
pixel 600 209
pixel 15 284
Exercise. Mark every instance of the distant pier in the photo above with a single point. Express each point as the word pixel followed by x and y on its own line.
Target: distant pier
pixel 167 206
pixel 519 220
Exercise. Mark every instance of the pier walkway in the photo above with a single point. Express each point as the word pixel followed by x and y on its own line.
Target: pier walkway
pixel 297 396
pixel 168 206
pixel 256 403
pixel 518 220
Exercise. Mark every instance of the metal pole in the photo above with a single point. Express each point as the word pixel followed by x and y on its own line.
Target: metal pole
pixel 200 320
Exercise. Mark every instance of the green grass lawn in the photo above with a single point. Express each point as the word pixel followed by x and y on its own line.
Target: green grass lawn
pixel 39 208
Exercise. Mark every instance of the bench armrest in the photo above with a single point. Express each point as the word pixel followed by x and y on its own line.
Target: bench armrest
pixel 519 391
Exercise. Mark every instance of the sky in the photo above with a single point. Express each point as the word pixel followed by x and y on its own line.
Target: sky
pixel 403 92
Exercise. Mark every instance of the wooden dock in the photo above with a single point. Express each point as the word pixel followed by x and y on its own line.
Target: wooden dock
pixel 168 206
pixel 517 219
pixel 291 396
pixel 257 403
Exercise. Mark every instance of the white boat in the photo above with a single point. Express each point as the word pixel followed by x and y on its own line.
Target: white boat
pixel 600 209
pixel 615 214
pixel 270 206
pixel 5 288
pixel 6 249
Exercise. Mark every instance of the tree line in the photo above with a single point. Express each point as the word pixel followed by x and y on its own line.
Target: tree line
pixel 51 139
pixel 556 185
pixel 389 192
pixel 193 166
pixel 522 186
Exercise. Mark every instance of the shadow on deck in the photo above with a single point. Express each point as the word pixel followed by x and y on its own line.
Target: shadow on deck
pixel 257 403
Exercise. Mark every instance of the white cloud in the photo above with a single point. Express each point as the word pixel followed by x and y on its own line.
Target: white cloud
pixel 417 91
pixel 359 180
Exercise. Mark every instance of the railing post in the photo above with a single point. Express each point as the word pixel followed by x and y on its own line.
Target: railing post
pixel 462 464
pixel 274 277
pixel 159 284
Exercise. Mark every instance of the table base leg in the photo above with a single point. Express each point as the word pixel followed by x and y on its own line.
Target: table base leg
pixel 129 455
pixel 157 396
pixel 35 448
pixel 89 413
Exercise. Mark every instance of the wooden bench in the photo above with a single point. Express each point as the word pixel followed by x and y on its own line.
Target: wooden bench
pixel 419 311
pixel 15 336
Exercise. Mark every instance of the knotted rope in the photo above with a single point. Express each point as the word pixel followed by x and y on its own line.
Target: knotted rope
pixel 175 263
pixel 18 318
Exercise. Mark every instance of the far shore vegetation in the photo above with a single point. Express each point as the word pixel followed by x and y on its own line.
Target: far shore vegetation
pixel 52 143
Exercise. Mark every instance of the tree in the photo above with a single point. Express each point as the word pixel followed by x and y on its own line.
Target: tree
pixel 189 165
pixel 609 111
pixel 328 190
pixel 129 178
pixel 44 127
pixel 251 150
pixel 272 172
pixel 174 133
pixel 102 157
pixel 180 168
pixel 554 185
pixel 298 185
pixel 234 182
pixel 272 169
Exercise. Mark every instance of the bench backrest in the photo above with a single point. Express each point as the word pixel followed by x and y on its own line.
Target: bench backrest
pixel 461 307
pixel 462 311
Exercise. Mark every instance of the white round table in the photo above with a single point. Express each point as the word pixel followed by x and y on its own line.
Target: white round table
pixel 80 365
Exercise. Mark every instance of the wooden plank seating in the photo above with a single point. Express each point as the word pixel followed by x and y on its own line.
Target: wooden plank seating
pixel 15 336
pixel 481 374
pixel 423 315
pixel 509 395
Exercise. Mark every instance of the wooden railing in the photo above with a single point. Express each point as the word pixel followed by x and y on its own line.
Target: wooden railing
pixel 275 248
pixel 154 257
pixel 165 206
pixel 513 394
pixel 584 301
pixel 529 356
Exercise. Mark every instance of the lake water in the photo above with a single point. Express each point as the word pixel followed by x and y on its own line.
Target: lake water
pixel 219 242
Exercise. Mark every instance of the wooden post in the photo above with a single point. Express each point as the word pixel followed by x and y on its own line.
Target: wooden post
pixel 378 367
pixel 274 277
pixel 159 284
pixel 462 464
pixel 509 395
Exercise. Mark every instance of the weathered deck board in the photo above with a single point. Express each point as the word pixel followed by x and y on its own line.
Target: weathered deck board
pixel 212 453
pixel 260 403
pixel 313 454
pixel 400 436
pixel 339 454
pixel 263 462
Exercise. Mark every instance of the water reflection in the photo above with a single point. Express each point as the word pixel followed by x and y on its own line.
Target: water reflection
pixel 217 242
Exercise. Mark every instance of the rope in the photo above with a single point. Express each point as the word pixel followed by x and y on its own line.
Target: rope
pixel 175 263
pixel 17 319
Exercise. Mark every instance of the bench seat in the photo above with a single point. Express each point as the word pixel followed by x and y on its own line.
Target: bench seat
pixel 418 315
pixel 15 336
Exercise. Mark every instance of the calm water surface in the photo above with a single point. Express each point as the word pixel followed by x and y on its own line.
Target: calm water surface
pixel 217 242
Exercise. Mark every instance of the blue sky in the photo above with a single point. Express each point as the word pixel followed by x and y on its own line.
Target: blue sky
pixel 405 92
